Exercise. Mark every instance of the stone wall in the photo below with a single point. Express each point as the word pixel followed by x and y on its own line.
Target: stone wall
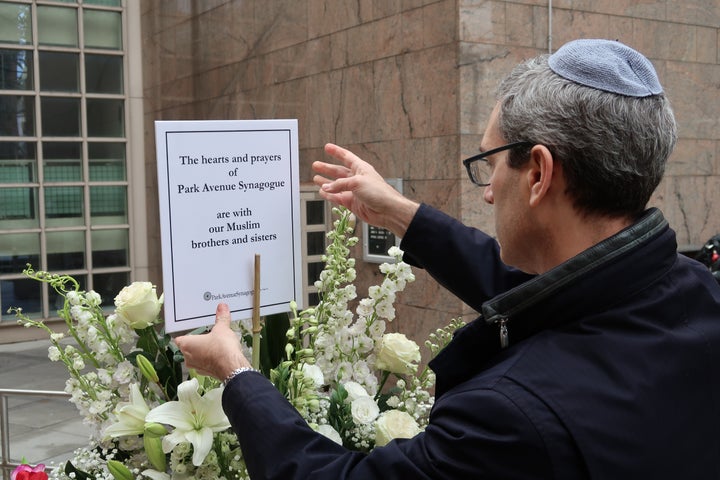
pixel 682 40
pixel 408 85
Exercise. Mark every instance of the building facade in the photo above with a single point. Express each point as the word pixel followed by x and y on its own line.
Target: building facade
pixel 406 84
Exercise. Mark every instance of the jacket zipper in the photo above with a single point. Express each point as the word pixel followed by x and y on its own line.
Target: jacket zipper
pixel 504 336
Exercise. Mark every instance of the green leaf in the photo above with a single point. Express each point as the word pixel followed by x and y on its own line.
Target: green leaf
pixel 273 341
pixel 339 413
pixel 79 474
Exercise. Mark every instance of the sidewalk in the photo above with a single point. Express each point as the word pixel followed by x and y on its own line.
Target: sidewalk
pixel 43 430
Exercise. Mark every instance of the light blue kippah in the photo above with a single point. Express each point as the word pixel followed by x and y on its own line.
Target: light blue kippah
pixel 606 65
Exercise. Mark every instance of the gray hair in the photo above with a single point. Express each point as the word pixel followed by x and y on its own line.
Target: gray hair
pixel 612 148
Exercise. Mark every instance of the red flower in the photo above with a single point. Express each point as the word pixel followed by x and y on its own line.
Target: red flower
pixel 26 472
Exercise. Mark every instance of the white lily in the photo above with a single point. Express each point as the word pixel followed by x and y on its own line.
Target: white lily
pixel 194 417
pixel 155 475
pixel 131 416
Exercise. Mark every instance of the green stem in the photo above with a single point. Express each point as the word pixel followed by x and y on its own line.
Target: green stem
pixel 385 376
pixel 256 350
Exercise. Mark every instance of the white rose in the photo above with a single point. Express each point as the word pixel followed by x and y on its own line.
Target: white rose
pixel 364 410
pixel 354 391
pixel 138 305
pixel 394 424
pixel 313 372
pixel 398 354
pixel 330 433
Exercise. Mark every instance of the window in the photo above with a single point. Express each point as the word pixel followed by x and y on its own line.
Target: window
pixel 316 222
pixel 64 203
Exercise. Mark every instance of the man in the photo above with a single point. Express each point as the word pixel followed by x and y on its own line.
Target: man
pixel 597 352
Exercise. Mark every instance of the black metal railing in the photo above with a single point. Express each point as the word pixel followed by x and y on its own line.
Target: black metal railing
pixel 6 463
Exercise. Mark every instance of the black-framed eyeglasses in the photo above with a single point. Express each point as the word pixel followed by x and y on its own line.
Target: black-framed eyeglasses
pixel 478 168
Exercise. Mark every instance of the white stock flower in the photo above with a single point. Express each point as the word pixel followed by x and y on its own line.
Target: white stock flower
pixel 73 297
pixel 78 363
pixel 364 410
pixel 138 305
pixel 329 432
pixel 131 416
pixel 363 343
pixel 365 307
pixel 194 417
pixel 80 314
pixel 398 354
pixel 361 371
pixel 53 353
pixel 370 382
pixel 344 370
pixel 124 372
pixel 93 298
pixel 394 424
pixel 377 328
pixel 104 376
pixel 385 309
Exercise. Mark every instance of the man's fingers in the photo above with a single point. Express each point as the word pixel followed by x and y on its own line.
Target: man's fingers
pixel 348 158
pixel 331 170
pixel 339 153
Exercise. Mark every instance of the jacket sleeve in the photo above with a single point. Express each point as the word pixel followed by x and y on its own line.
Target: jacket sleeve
pixel 475 434
pixel 462 259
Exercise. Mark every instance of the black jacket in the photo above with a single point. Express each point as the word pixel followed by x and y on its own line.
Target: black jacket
pixel 612 371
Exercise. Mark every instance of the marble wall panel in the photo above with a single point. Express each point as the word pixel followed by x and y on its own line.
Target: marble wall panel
pixel 385 8
pixel 409 85
pixel 430 91
pixel 482 22
pixel 330 16
pixel 696 12
pixel 280 24
pixel 374 40
pixel 679 41
pixel 569 25
pixel 706 50
pixel 389 109
pixel 692 157
pixel 339 50
pixel 431 157
pixel 433 25
pixel 653 9
pixel 319 102
pixel 694 91
pixel 521 23
pixel 410 4
pixel 690 206
pixel 481 68
pixel 355 122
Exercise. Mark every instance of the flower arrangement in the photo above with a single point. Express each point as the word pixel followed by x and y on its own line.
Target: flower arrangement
pixel 150 418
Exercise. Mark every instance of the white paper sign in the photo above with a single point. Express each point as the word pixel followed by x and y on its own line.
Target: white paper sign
pixel 228 190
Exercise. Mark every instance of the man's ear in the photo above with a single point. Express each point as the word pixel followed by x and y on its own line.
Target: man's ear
pixel 540 173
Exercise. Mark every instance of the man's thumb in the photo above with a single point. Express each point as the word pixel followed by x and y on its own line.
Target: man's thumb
pixel 222 315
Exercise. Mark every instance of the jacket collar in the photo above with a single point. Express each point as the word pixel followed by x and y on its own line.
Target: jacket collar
pixel 535 305
pixel 540 288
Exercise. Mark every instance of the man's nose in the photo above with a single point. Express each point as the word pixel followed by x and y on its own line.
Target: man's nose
pixel 488 195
